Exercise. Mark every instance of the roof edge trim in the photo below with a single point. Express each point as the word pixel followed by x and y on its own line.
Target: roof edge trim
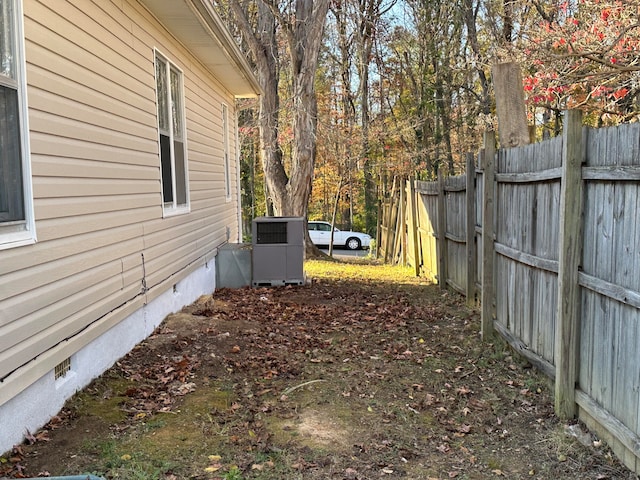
pixel 219 32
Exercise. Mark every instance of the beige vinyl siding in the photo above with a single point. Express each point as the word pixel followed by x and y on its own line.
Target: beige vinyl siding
pixel 69 226
pixel 209 182
pixel 81 148
pixel 96 182
pixel 74 168
pixel 50 307
pixel 68 207
pixel 84 90
pixel 55 272
pixel 23 259
pixel 63 31
pixel 98 125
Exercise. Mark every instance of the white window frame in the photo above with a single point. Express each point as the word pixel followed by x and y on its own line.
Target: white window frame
pixel 236 146
pixel 22 232
pixel 172 206
pixel 225 152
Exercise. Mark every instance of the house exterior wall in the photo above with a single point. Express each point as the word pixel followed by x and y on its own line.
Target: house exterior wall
pixel 36 404
pixel 104 250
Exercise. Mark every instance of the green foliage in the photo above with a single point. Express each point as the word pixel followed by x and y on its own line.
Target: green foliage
pixel 234 473
pixel 116 463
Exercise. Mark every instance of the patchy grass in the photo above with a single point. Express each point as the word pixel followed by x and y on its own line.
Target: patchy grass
pixel 362 270
pixel 367 372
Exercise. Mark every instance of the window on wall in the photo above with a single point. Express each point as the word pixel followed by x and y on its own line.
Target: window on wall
pixel 16 209
pixel 170 100
pixel 225 146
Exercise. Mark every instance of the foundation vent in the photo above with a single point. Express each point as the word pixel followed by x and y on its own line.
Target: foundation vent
pixel 62 368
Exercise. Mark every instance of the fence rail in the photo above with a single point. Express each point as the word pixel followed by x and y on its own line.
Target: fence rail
pixel 547 238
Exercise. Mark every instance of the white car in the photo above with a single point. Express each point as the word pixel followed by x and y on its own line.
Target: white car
pixel 320 233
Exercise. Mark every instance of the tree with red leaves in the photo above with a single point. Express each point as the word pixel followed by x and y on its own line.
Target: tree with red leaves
pixel 584 54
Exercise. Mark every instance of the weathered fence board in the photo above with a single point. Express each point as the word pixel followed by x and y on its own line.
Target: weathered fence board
pixel 478 220
pixel 470 227
pixel 427 201
pixel 528 185
pixel 455 206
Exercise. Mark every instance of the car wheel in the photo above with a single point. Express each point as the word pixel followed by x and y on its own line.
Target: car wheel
pixel 353 243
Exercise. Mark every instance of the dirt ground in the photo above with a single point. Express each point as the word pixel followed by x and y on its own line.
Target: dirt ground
pixel 364 373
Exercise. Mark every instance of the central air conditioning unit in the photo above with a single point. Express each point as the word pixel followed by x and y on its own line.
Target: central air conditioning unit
pixel 278 251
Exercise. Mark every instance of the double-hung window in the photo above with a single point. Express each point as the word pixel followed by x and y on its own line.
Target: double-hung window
pixel 172 136
pixel 16 205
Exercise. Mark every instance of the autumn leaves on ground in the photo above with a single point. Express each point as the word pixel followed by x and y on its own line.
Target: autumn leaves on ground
pixel 367 372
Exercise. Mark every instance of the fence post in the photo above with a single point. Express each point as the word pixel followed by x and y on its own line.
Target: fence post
pixel 403 222
pixel 510 106
pixel 387 239
pixel 414 225
pixel 471 230
pixel 568 313
pixel 488 226
pixel 442 233
pixel 379 227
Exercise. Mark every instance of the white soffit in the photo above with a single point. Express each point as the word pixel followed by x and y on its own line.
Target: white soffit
pixel 199 28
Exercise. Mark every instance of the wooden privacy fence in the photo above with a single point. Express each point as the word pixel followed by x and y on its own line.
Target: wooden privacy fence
pixel 414 214
pixel 558 275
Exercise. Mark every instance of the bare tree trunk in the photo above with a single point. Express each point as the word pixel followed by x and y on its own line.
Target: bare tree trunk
pixel 470 16
pixel 263 45
pixel 302 27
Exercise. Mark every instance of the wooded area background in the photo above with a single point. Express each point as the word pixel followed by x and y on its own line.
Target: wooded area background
pixel 406 88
